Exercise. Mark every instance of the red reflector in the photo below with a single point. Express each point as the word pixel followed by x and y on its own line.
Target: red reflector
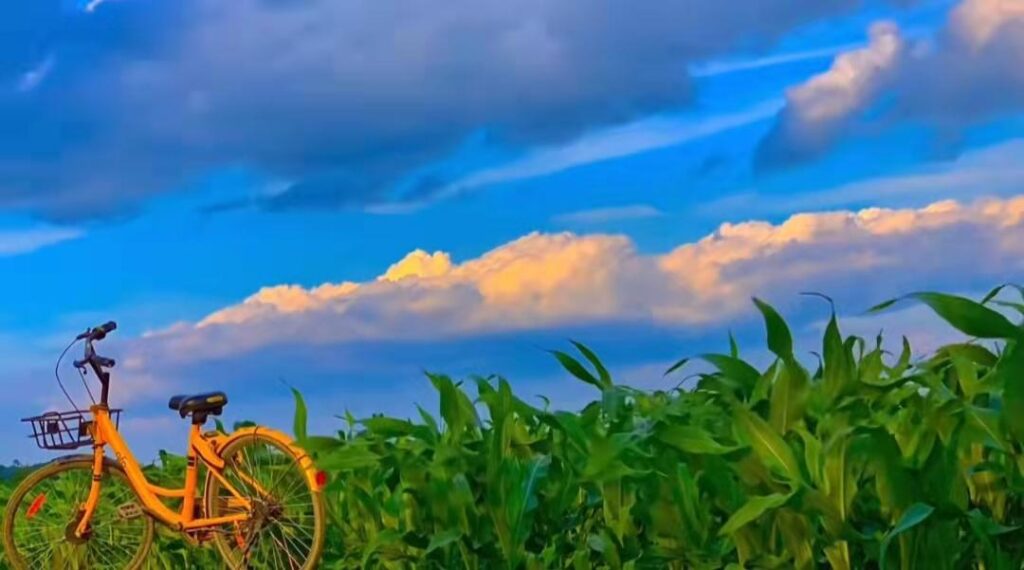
pixel 35 506
pixel 321 479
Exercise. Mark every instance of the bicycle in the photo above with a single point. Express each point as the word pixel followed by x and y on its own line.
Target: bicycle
pixel 261 503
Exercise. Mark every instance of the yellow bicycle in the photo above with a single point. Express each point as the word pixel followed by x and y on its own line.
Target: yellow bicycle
pixel 261 503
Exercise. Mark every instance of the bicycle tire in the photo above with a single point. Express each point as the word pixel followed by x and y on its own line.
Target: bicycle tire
pixel 308 537
pixel 58 549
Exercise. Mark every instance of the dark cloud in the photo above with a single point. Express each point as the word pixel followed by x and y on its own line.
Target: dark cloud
pixel 338 99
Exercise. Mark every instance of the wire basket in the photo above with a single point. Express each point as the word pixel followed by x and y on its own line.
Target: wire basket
pixel 65 430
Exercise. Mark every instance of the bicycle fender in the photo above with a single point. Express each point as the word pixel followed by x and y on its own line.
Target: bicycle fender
pixel 300 454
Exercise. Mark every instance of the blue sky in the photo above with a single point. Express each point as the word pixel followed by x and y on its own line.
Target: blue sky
pixel 625 177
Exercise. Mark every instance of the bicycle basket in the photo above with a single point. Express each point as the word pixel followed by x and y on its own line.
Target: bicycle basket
pixel 65 430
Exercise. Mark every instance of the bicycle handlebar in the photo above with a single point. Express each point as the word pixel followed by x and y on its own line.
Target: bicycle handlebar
pixel 89 336
pixel 98 333
pixel 93 360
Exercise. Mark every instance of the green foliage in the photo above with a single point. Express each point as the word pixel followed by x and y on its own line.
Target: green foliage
pixel 873 460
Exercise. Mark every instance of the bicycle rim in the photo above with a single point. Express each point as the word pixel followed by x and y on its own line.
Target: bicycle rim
pixel 287 527
pixel 44 510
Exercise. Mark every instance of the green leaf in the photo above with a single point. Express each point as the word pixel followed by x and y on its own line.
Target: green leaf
pixel 752 510
pixel 838 373
pixel 679 364
pixel 316 443
pixel 299 422
pixel 443 538
pixel 574 367
pixel 914 515
pixel 780 341
pixel 735 369
pixel 1010 374
pixel 692 440
pixel 602 372
pixel 457 409
pixel 983 523
pixel 768 444
pixel 389 427
pixel 348 458
pixel 788 396
pixel 967 316
pixel 996 291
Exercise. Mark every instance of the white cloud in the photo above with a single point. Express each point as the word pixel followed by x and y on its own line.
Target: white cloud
pixel 971 72
pixel 977 22
pixel 853 78
pixel 613 214
pixel 635 138
pixel 817 110
pixel 16 242
pixel 35 77
pixel 549 280
pixel 92 5
pixel 723 67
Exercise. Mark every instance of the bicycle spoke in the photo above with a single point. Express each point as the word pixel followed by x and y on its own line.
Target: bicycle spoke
pixel 271 478
pixel 39 535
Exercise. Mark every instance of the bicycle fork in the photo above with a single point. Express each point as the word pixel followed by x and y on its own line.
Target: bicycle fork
pixel 82 530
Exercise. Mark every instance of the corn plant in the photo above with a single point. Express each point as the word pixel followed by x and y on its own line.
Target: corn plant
pixel 868 460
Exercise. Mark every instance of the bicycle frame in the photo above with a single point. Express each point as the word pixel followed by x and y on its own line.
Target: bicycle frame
pixel 200 448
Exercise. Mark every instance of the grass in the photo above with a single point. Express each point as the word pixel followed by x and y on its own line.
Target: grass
pixel 866 460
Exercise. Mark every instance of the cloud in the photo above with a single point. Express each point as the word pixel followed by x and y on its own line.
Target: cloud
pixel 93 5
pixel 991 171
pixel 727 66
pixel 972 72
pixel 336 100
pixel 33 78
pixel 618 142
pixel 818 110
pixel 613 214
pixel 17 242
pixel 551 281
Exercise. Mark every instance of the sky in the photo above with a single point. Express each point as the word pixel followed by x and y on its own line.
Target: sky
pixel 339 196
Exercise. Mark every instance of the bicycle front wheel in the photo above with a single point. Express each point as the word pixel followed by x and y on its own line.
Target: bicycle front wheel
pixel 286 527
pixel 44 511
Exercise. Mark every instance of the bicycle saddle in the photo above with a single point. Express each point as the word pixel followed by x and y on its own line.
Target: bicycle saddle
pixel 210 403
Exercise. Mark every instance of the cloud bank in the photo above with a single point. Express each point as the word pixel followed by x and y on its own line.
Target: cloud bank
pixel 551 281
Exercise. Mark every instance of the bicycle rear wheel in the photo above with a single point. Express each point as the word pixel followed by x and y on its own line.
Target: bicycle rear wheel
pixel 45 509
pixel 287 528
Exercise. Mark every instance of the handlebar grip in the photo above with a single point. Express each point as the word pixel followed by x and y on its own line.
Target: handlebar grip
pixel 98 333
pixel 79 363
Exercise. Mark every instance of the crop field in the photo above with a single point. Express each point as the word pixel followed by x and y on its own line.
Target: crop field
pixel 867 459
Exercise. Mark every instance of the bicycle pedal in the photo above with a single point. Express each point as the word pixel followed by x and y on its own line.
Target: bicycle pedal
pixel 129 511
